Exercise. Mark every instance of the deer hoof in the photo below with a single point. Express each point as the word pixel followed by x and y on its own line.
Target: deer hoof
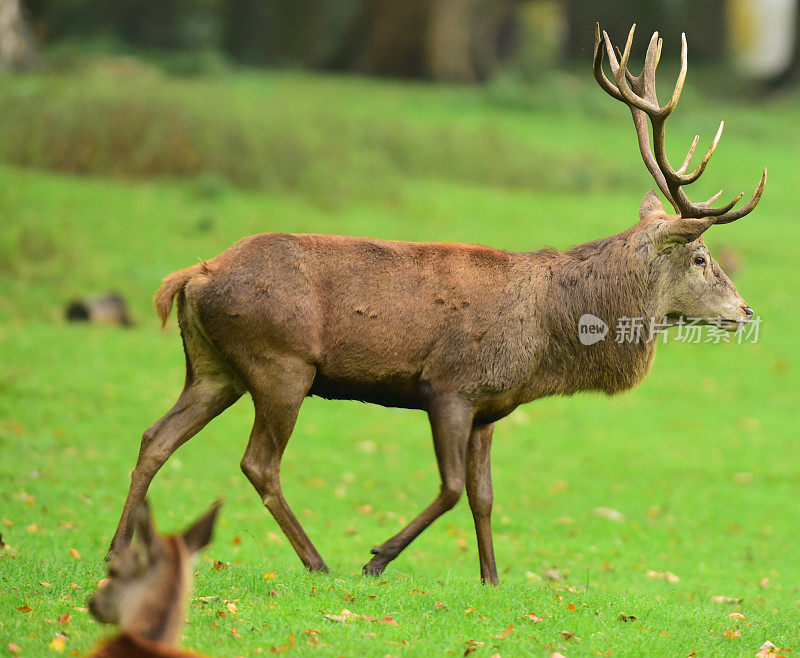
pixel 371 569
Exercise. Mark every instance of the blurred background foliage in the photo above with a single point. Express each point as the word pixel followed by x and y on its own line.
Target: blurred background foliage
pixel 447 40
pixel 138 88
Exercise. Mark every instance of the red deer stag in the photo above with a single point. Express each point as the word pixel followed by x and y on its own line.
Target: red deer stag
pixel 148 582
pixel 464 332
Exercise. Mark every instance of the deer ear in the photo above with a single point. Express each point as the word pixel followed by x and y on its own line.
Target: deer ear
pixel 650 205
pixel 682 230
pixel 199 534
pixel 144 529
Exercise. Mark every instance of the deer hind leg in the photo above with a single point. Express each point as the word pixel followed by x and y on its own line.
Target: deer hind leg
pixel 210 388
pixel 481 496
pixel 277 396
pixel 451 421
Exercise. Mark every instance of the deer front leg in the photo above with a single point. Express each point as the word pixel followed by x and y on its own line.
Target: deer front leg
pixel 451 421
pixel 481 496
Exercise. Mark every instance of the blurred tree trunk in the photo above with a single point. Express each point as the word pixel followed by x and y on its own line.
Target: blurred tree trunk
pixel 275 32
pixel 791 76
pixel 448 40
pixel 18 49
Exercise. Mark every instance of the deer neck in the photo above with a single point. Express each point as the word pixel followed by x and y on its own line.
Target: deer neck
pixel 159 613
pixel 605 282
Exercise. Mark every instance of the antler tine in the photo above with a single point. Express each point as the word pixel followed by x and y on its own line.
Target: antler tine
pixel 676 93
pixel 685 179
pixel 688 158
pixel 651 60
pixel 599 75
pixel 632 79
pixel 622 84
pixel 748 207
pixel 704 208
pixel 713 198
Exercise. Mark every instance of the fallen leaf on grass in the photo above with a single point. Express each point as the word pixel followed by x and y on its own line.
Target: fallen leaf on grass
pixel 344 616
pixel 662 575
pixel 769 650
pixel 207 599
pixel 534 618
pixel 610 514
pixel 626 618
pixel 339 619
pixel 505 633
pixel 737 615
pixel 557 655
pixel 571 607
pixel 13 648
pixel 568 635
pixel 285 647
pixel 59 643
pixel 731 634
pixel 553 574
pixel 726 600
pixel 24 608
pixel 440 606
pixel 764 583
pixel 103 582
pixel 270 575
pixel 469 611
pixel 46 584
pixel 64 619
pixel 230 606
pixel 74 554
pixel 388 620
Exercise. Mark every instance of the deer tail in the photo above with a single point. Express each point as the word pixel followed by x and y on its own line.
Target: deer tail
pixel 171 286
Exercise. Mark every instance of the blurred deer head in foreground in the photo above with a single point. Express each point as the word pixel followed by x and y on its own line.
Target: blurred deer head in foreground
pixel 692 284
pixel 148 583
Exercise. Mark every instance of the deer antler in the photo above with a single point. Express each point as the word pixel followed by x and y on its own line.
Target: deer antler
pixel 639 94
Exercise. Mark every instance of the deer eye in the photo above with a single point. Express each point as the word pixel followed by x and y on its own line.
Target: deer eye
pixel 699 260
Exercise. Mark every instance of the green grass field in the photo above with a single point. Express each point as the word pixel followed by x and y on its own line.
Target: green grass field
pixel 701 459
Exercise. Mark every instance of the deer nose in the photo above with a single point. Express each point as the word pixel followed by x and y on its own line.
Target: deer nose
pixel 748 311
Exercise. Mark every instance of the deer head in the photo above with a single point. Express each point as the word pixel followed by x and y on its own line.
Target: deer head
pixel 688 281
pixel 148 581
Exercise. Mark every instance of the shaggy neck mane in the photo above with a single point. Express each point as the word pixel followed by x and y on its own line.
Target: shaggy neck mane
pixel 610 280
